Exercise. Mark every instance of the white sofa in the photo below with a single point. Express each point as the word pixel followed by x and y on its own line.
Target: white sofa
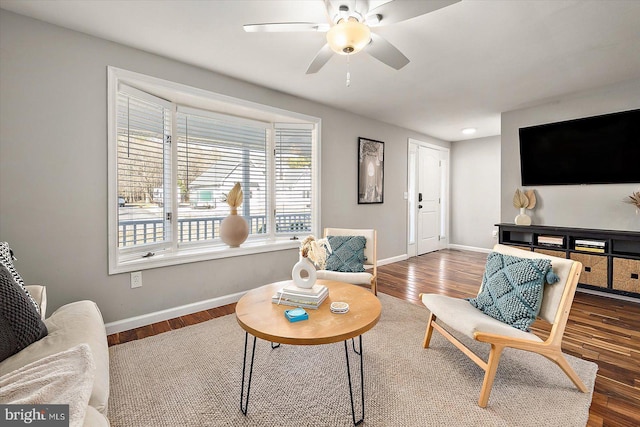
pixel 72 324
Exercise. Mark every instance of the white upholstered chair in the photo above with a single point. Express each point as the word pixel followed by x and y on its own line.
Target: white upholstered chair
pixel 460 315
pixel 367 278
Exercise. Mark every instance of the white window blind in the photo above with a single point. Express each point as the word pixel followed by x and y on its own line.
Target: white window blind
pixel 143 136
pixel 293 180
pixel 215 152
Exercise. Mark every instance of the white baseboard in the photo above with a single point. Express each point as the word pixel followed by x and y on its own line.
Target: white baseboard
pixel 469 248
pixel 170 313
pixel 392 259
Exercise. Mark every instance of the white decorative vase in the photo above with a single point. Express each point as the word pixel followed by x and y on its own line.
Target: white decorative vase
pixel 304 265
pixel 523 218
pixel 234 229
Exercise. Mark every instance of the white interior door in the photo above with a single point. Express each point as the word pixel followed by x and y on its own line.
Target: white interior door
pixel 429 200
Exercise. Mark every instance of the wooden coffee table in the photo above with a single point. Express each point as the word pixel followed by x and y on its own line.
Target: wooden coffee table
pixel 260 317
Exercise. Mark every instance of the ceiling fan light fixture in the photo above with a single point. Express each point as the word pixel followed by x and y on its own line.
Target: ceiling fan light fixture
pixel 348 36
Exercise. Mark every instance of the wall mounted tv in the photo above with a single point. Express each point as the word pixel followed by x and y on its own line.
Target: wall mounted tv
pixel 592 150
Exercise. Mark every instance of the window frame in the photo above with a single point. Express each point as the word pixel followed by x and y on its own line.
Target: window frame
pixel 123 260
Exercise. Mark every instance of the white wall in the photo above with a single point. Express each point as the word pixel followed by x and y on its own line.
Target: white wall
pixel 584 206
pixel 475 191
pixel 53 172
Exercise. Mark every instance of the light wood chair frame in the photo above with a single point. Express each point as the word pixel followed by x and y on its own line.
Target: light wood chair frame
pixel 551 348
pixel 374 273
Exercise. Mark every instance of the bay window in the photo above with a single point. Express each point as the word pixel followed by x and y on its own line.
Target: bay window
pixel 176 151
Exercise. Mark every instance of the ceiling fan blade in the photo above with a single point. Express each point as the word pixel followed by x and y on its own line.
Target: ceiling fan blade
pixel 280 27
pixel 321 58
pixel 385 52
pixel 401 10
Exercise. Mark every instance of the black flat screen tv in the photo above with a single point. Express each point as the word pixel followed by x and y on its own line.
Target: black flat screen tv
pixel 593 150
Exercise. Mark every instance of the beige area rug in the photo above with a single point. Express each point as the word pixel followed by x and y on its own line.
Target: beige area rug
pixel 191 377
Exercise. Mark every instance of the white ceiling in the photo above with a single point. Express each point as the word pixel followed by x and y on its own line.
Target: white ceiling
pixel 469 61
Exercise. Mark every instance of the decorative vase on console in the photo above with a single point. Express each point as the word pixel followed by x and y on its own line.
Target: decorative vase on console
pixel 523 218
pixel 312 253
pixel 524 200
pixel 634 199
pixel 234 229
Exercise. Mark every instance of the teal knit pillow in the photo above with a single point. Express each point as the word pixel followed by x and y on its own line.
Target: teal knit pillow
pixel 512 289
pixel 347 254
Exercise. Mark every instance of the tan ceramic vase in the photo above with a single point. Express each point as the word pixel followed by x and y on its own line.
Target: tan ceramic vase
pixel 234 229
pixel 523 218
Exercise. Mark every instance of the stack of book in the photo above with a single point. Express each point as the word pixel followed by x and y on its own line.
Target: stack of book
pixel 555 241
pixel 301 297
pixel 597 246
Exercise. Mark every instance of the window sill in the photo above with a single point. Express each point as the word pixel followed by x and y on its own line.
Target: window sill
pixel 200 253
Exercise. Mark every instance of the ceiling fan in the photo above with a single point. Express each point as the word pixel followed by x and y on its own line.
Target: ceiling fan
pixel 349 28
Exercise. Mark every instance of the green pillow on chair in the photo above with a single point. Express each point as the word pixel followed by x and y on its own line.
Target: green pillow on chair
pixel 347 254
pixel 512 289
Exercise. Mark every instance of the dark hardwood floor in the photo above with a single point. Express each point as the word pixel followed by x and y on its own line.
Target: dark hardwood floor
pixel 600 329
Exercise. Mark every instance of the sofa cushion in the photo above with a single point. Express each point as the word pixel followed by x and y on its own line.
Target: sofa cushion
pixel 58 379
pixel 20 322
pixel 512 289
pixel 347 254
pixel 6 259
pixel 72 324
pixel 39 293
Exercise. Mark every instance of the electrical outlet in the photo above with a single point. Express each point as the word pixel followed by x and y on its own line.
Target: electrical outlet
pixel 136 279
pixel 494 233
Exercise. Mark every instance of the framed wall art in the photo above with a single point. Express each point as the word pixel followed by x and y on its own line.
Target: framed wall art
pixel 370 171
